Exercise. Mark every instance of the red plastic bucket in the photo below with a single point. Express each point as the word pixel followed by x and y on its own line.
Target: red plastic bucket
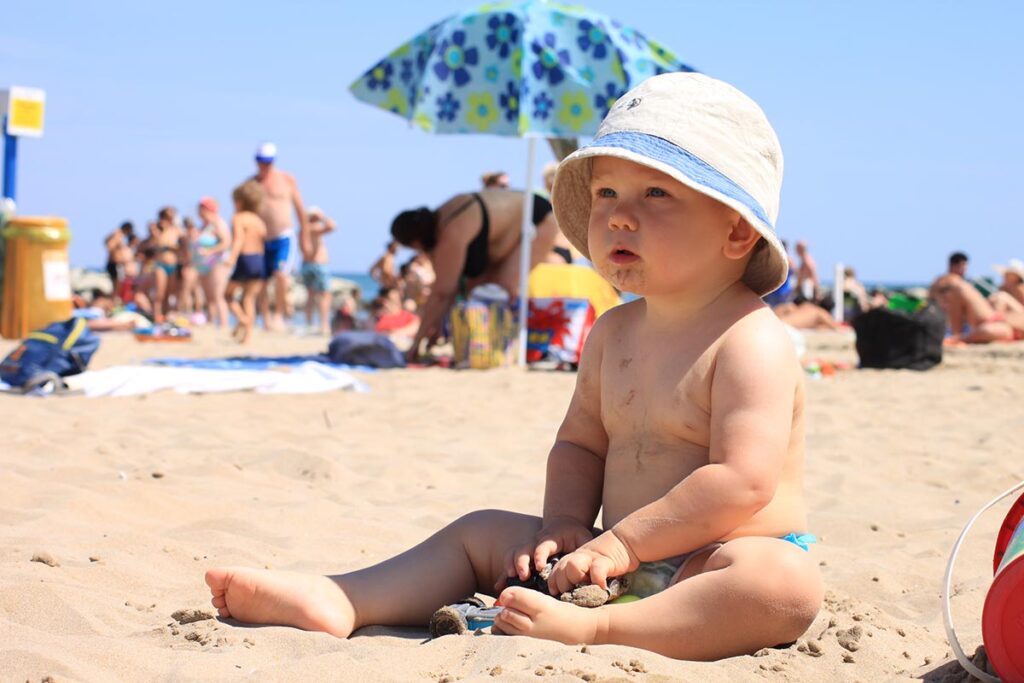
pixel 1002 622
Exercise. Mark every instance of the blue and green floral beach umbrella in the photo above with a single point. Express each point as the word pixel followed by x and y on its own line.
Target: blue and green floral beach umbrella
pixel 515 68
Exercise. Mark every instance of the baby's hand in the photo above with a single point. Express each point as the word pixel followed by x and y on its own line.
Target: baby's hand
pixel 593 562
pixel 560 535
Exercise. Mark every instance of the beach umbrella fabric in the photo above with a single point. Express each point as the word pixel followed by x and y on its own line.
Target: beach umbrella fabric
pixel 514 68
pixel 525 68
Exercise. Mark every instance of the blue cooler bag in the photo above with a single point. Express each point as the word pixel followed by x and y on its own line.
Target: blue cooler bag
pixel 49 354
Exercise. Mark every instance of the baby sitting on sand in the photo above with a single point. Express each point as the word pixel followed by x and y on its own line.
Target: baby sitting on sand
pixel 686 426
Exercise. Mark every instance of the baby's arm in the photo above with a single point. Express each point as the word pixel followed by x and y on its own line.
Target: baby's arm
pixel 575 470
pixel 752 398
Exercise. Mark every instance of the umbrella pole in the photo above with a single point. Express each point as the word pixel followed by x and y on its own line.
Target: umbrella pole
pixel 524 250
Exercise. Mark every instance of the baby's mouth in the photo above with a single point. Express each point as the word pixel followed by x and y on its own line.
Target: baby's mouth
pixel 622 256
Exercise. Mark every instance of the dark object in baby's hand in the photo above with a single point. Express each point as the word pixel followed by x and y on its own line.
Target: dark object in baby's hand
pixel 538 580
pixel 583 595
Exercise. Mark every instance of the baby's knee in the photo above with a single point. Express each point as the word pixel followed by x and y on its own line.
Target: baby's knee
pixel 786 580
pixel 493 525
pixel 480 521
pixel 795 588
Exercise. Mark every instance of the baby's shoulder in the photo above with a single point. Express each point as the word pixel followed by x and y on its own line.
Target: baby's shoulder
pixel 608 331
pixel 760 335
pixel 614 322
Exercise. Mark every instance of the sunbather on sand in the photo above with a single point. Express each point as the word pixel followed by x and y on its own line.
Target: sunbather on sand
pixel 806 316
pixel 1010 297
pixel 686 426
pixel 972 318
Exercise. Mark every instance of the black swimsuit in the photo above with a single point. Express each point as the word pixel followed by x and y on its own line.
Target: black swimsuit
pixel 477 259
pixel 476 253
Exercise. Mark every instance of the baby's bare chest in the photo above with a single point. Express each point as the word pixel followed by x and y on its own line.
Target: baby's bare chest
pixel 663 395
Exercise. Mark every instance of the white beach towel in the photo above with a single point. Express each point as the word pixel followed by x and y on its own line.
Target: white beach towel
pixel 133 380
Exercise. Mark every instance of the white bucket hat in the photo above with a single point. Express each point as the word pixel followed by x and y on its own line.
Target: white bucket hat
pixel 702 132
pixel 1015 266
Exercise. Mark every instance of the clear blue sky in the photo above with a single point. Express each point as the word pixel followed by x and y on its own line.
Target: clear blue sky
pixel 902 122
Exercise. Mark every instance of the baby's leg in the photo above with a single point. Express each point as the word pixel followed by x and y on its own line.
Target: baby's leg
pixel 463 558
pixel 751 593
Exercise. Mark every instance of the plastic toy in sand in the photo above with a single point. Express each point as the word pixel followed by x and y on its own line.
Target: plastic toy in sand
pixel 164 332
pixel 471 613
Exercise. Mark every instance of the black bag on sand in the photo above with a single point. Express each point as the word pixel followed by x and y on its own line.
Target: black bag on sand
pixel 362 347
pixel 898 340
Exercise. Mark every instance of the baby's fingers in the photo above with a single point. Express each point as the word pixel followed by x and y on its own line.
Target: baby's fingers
pixel 544 550
pixel 569 571
pixel 599 572
pixel 521 565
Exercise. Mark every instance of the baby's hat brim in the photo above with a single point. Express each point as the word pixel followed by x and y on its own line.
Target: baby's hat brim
pixel 744 147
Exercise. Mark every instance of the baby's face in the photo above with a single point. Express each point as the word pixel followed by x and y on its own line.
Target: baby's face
pixel 649 234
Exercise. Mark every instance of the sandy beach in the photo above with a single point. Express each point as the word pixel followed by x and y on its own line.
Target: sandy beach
pixel 111 510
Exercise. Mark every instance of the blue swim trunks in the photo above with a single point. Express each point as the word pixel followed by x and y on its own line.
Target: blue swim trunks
pixel 315 277
pixel 277 254
pixel 249 267
pixel 653 577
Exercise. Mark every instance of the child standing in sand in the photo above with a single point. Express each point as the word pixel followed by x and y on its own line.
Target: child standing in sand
pixel 248 232
pixel 686 427
pixel 315 275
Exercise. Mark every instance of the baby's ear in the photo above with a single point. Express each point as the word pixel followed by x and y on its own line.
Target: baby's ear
pixel 741 239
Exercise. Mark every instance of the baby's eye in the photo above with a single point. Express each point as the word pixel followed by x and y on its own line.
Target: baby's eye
pixel 605 192
pixel 657 192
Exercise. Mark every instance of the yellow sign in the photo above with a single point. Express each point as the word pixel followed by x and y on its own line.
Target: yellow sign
pixel 25 111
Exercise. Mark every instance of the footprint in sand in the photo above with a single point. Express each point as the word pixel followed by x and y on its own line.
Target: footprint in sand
pixel 46 558
pixel 188 616
pixel 849 638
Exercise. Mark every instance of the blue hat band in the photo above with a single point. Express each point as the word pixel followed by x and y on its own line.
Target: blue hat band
pixel 697 170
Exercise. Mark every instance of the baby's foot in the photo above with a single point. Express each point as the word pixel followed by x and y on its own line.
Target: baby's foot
pixel 530 613
pixel 257 596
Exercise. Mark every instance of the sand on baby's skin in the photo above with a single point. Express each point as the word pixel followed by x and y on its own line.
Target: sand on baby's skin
pixel 897 461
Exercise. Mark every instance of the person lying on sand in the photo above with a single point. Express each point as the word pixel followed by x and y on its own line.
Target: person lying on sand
pixel 102 316
pixel 686 426
pixel 972 319
pixel 1010 296
pixel 806 316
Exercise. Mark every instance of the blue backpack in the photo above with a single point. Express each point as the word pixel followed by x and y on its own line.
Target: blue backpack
pixel 49 355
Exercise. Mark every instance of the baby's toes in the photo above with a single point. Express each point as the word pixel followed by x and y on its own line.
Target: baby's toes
pixel 523 600
pixel 512 622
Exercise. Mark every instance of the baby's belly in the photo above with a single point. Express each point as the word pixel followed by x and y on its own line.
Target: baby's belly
pixel 640 469
pixel 636 476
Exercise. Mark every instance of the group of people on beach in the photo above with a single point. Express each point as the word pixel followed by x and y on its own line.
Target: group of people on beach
pixel 207 268
pixel 976 311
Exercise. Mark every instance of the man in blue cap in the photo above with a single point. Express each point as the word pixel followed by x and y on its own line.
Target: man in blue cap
pixel 280 196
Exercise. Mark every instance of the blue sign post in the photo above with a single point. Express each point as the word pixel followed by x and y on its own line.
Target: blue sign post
pixel 10 163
